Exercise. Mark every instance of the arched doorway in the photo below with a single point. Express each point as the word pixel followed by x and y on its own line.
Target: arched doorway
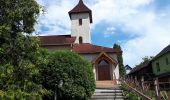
pixel 103 70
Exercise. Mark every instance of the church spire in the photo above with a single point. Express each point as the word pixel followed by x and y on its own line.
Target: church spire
pixel 81 8
pixel 81 1
pixel 81 18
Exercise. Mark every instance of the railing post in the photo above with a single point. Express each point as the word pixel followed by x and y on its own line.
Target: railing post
pixel 135 78
pixel 157 90
pixel 142 80
pixel 136 82
pixel 131 77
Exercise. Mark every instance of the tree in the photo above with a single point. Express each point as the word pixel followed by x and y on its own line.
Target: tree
pixel 18 50
pixel 75 72
pixel 120 60
pixel 144 61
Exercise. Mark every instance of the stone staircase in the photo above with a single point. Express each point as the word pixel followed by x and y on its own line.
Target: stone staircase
pixel 105 84
pixel 107 90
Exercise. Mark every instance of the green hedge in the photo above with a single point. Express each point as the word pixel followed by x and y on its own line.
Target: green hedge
pixel 75 72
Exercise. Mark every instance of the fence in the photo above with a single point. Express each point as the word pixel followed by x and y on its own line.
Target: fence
pixel 152 89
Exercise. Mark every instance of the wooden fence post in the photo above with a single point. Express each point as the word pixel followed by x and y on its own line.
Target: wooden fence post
pixel 157 90
pixel 142 80
pixel 135 78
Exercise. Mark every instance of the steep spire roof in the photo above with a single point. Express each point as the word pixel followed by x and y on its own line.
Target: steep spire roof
pixel 81 8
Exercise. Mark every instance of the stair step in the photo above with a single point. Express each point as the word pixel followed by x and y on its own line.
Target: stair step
pixel 106 84
pixel 107 97
pixel 108 94
pixel 108 91
pixel 114 93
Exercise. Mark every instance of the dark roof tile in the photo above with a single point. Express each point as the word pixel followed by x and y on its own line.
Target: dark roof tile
pixel 137 68
pixel 90 48
pixel 57 40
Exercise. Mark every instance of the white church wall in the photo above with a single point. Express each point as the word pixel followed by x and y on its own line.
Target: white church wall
pixel 94 72
pixel 90 57
pixel 116 71
pixel 81 30
pixel 116 74
pixel 114 56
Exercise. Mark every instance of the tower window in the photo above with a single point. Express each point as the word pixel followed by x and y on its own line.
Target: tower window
pixel 158 67
pixel 167 61
pixel 80 40
pixel 80 21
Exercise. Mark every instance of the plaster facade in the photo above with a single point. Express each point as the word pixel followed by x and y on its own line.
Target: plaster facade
pixel 81 30
pixel 163 64
pixel 114 69
pixel 90 57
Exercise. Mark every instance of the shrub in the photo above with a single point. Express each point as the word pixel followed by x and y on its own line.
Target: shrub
pixel 129 95
pixel 75 72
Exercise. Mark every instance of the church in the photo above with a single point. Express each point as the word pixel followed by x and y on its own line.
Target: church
pixel 103 59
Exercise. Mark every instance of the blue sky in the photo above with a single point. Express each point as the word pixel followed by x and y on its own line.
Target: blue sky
pixel 141 27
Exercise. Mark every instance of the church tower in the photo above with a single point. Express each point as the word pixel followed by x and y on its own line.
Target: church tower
pixel 81 18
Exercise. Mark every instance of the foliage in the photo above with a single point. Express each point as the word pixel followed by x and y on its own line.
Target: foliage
pixel 145 60
pixel 18 15
pixel 75 72
pixel 129 95
pixel 18 50
pixel 120 61
pixel 12 89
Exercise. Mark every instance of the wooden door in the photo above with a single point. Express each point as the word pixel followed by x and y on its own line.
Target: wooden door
pixel 104 72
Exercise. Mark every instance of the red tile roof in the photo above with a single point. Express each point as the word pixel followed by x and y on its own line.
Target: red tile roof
pixel 81 8
pixel 90 48
pixel 57 40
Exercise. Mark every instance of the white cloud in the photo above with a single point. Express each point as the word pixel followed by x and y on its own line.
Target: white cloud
pixel 55 20
pixel 151 29
pixel 109 32
pixel 137 18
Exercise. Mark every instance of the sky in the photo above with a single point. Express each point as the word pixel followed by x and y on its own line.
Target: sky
pixel 140 27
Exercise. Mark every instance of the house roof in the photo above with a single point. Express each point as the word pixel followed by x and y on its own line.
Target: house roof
pixel 81 8
pixel 135 69
pixel 127 67
pixel 57 40
pixel 164 51
pixel 90 48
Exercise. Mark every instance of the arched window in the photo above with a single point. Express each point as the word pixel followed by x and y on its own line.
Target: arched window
pixel 103 62
pixel 80 40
